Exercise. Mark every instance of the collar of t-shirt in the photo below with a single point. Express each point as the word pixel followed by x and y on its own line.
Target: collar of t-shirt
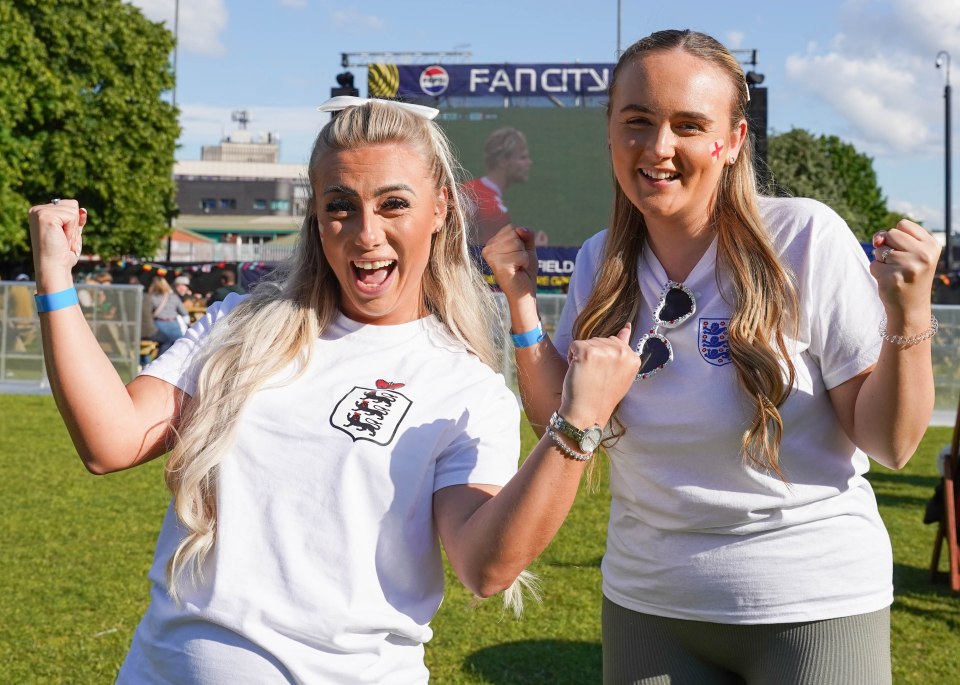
pixel 652 277
pixel 492 186
pixel 391 335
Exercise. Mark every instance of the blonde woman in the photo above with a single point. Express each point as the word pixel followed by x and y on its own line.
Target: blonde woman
pixel 326 430
pixel 744 542
pixel 166 307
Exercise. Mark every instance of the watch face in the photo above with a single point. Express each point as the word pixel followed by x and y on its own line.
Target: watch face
pixel 591 439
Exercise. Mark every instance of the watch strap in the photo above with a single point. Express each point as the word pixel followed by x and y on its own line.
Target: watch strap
pixel 559 423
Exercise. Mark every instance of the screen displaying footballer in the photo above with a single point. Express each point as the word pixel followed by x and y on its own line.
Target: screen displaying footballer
pixel 567 190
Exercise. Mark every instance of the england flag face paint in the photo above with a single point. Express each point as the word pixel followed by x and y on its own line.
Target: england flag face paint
pixel 716 149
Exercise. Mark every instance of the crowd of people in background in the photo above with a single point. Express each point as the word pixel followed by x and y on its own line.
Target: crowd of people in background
pixel 169 305
pixel 168 310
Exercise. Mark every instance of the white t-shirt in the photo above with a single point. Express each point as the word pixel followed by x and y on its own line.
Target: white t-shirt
pixel 694 532
pixel 327 566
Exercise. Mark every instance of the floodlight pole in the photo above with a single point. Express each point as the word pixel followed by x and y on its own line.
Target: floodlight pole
pixel 619 15
pixel 943 60
pixel 176 44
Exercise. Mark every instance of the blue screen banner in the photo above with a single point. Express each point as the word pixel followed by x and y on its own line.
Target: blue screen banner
pixel 555 267
pixel 508 80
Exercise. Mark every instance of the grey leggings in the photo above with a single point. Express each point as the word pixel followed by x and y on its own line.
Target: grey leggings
pixel 640 649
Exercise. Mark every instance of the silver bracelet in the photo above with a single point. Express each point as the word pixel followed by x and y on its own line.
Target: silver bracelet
pixel 906 341
pixel 566 449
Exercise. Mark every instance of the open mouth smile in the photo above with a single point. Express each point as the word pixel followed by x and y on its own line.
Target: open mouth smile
pixel 371 275
pixel 655 175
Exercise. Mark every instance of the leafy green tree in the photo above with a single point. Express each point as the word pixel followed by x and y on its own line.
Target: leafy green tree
pixel 893 218
pixel 832 171
pixel 82 115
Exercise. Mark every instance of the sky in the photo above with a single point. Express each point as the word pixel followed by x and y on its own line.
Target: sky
pixel 863 70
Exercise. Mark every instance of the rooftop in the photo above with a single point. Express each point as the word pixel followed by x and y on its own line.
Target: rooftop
pixel 197 169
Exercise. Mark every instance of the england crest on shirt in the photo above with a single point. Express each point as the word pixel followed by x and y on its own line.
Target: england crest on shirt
pixel 372 414
pixel 714 345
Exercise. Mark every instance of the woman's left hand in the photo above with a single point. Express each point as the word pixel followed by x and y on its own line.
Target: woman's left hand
pixel 905 262
pixel 871 406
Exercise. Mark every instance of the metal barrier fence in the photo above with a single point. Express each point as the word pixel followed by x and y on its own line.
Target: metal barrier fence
pixel 113 312
pixel 946 353
pixel 114 315
pixel 946 364
pixel 182 251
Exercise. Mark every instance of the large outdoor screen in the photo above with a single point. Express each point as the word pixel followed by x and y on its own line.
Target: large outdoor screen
pixel 568 194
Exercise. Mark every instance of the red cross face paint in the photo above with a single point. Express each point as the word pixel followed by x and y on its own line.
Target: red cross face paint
pixel 716 149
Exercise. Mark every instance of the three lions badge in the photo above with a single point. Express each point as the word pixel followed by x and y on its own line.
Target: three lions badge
pixel 372 414
pixel 714 347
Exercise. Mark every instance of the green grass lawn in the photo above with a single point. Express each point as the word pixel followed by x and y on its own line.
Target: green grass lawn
pixel 76 550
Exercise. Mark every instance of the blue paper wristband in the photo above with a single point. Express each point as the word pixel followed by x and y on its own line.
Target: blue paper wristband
pixel 529 338
pixel 54 301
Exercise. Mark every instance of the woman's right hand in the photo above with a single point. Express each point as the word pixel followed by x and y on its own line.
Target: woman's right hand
pixel 512 256
pixel 601 371
pixel 56 239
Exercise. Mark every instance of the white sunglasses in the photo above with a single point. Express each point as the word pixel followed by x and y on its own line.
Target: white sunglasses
pixel 676 305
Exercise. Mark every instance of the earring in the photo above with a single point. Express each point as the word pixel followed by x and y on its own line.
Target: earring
pixel 732 159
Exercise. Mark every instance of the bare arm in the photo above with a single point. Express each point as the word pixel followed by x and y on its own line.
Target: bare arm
pixel 512 256
pixel 492 534
pixel 886 409
pixel 112 426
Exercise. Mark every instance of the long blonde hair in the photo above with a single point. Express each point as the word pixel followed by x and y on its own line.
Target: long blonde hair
pixel 159 286
pixel 765 299
pixel 277 325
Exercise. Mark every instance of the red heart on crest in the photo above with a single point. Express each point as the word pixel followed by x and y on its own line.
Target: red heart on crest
pixel 387 385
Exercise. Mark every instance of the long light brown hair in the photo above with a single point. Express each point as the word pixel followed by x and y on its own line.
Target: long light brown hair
pixel 765 299
pixel 159 286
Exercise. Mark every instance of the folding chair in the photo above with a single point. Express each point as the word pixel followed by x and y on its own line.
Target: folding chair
pixel 149 350
pixel 947 528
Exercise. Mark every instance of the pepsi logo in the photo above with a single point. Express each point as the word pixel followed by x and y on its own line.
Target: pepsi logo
pixel 434 80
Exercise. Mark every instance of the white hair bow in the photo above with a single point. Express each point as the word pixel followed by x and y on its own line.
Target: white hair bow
pixel 341 102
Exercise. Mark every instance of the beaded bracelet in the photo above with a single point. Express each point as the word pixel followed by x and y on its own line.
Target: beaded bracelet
pixel 906 341
pixel 566 449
